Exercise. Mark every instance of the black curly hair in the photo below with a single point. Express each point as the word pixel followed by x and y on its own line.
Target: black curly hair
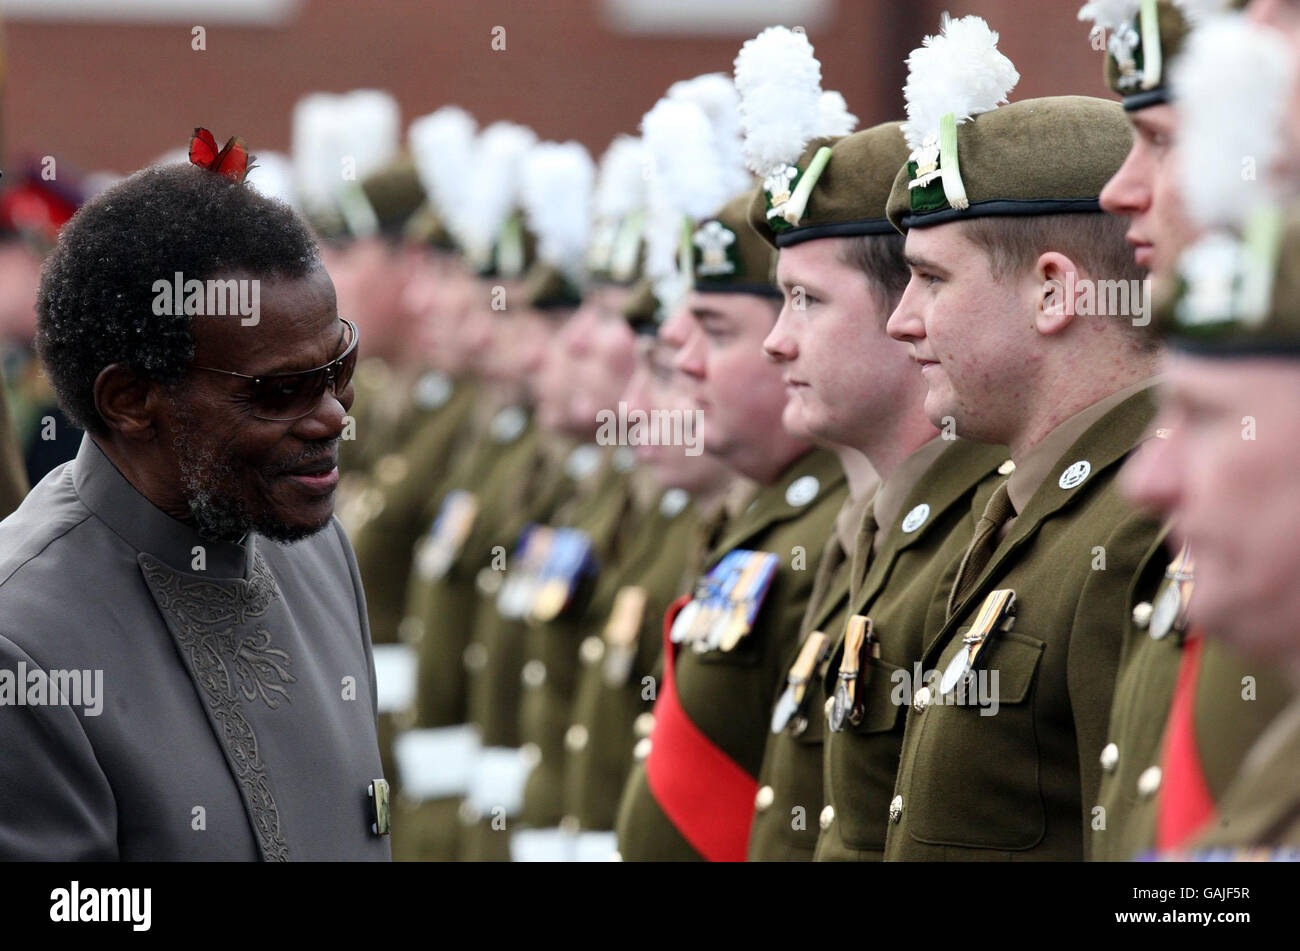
pixel 95 305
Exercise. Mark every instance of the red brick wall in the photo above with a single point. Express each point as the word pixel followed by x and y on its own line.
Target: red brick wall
pixel 115 96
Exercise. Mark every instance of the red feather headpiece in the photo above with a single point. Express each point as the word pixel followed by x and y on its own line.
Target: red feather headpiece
pixel 232 161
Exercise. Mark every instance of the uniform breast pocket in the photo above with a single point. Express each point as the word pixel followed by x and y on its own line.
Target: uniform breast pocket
pixel 975 777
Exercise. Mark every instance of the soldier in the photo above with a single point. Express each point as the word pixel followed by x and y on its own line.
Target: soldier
pixel 1004 238
pixel 612 706
pixel 1141 808
pixel 841 269
pixel 1228 460
pixel 477 510
pixel 691 794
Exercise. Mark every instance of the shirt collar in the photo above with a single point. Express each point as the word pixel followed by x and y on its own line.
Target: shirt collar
pixel 893 491
pixel 147 528
pixel 1041 460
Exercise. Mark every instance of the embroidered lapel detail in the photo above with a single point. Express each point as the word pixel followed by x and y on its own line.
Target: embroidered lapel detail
pixel 230 659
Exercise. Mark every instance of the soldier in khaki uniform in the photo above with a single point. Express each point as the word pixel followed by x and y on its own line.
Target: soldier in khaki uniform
pixel 1229 491
pixel 1160 656
pixel 1001 214
pixel 842 271
pixel 691 795
pixel 612 706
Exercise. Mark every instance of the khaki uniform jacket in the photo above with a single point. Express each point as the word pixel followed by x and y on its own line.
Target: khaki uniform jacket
pixel 903 590
pixel 1020 784
pixel 605 514
pixel 1262 807
pixel 607 700
pixel 728 694
pixel 790 798
pixel 1228 718
pixel 402 482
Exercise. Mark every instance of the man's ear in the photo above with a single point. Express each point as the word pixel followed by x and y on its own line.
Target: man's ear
pixel 127 402
pixel 1060 281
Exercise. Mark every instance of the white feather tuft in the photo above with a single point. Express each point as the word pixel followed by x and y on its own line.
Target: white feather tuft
pixel 621 184
pixel 442 147
pixel 1231 86
pixel 685 165
pixel 556 197
pixel 492 192
pixel 360 128
pixel 715 94
pixel 780 85
pixel 1110 14
pixel 1199 11
pixel 959 71
pixel 833 116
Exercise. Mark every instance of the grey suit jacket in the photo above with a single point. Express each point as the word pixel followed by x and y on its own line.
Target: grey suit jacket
pixel 235 718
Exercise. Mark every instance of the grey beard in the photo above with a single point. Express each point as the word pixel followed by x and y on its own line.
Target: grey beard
pixel 209 486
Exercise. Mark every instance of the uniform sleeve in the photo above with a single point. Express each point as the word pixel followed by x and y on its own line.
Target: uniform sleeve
pixel 55 801
pixel 1096 643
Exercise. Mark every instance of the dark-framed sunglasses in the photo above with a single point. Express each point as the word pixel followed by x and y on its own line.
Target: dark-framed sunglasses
pixel 281 397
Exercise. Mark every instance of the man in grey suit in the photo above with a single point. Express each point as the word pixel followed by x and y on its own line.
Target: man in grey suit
pixel 185 665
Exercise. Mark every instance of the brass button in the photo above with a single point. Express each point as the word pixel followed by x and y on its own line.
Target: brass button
pixel 531 754
pixel 570 824
pixel 469 813
pixel 1110 757
pixel 1142 614
pixel 591 649
pixel 533 673
pixel 765 797
pixel 391 469
pixel 921 699
pixel 1007 468
pixel 642 748
pixel 475 657
pixel 644 724
pixel 1149 782
pixel 896 810
pixel 410 629
pixel 575 738
pixel 826 818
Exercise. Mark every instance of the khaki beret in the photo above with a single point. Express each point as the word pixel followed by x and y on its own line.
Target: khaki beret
pixel 1046 156
pixel 850 195
pixel 729 257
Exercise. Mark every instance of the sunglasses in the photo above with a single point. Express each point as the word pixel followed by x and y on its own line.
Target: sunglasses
pixel 287 396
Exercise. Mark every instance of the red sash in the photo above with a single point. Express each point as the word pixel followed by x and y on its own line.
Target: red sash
pixel 1186 805
pixel 706 795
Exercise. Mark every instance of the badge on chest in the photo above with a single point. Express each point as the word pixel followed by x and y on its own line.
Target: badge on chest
pixel 997 613
pixel 790 706
pixel 847 703
pixel 726 602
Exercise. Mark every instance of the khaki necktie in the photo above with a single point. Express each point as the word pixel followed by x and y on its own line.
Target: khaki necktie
pixel 832 558
pixel 982 545
pixel 863 548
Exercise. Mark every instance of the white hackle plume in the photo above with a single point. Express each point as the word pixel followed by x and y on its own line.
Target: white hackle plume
pixel 833 116
pixel 373 129
pixel 959 71
pixel 621 182
pixel 272 176
pixel 556 198
pixel 1231 87
pixel 1199 11
pixel 442 147
pixel 493 187
pixel 780 85
pixel 317 148
pixel 685 182
pixel 715 94
pixel 1109 15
